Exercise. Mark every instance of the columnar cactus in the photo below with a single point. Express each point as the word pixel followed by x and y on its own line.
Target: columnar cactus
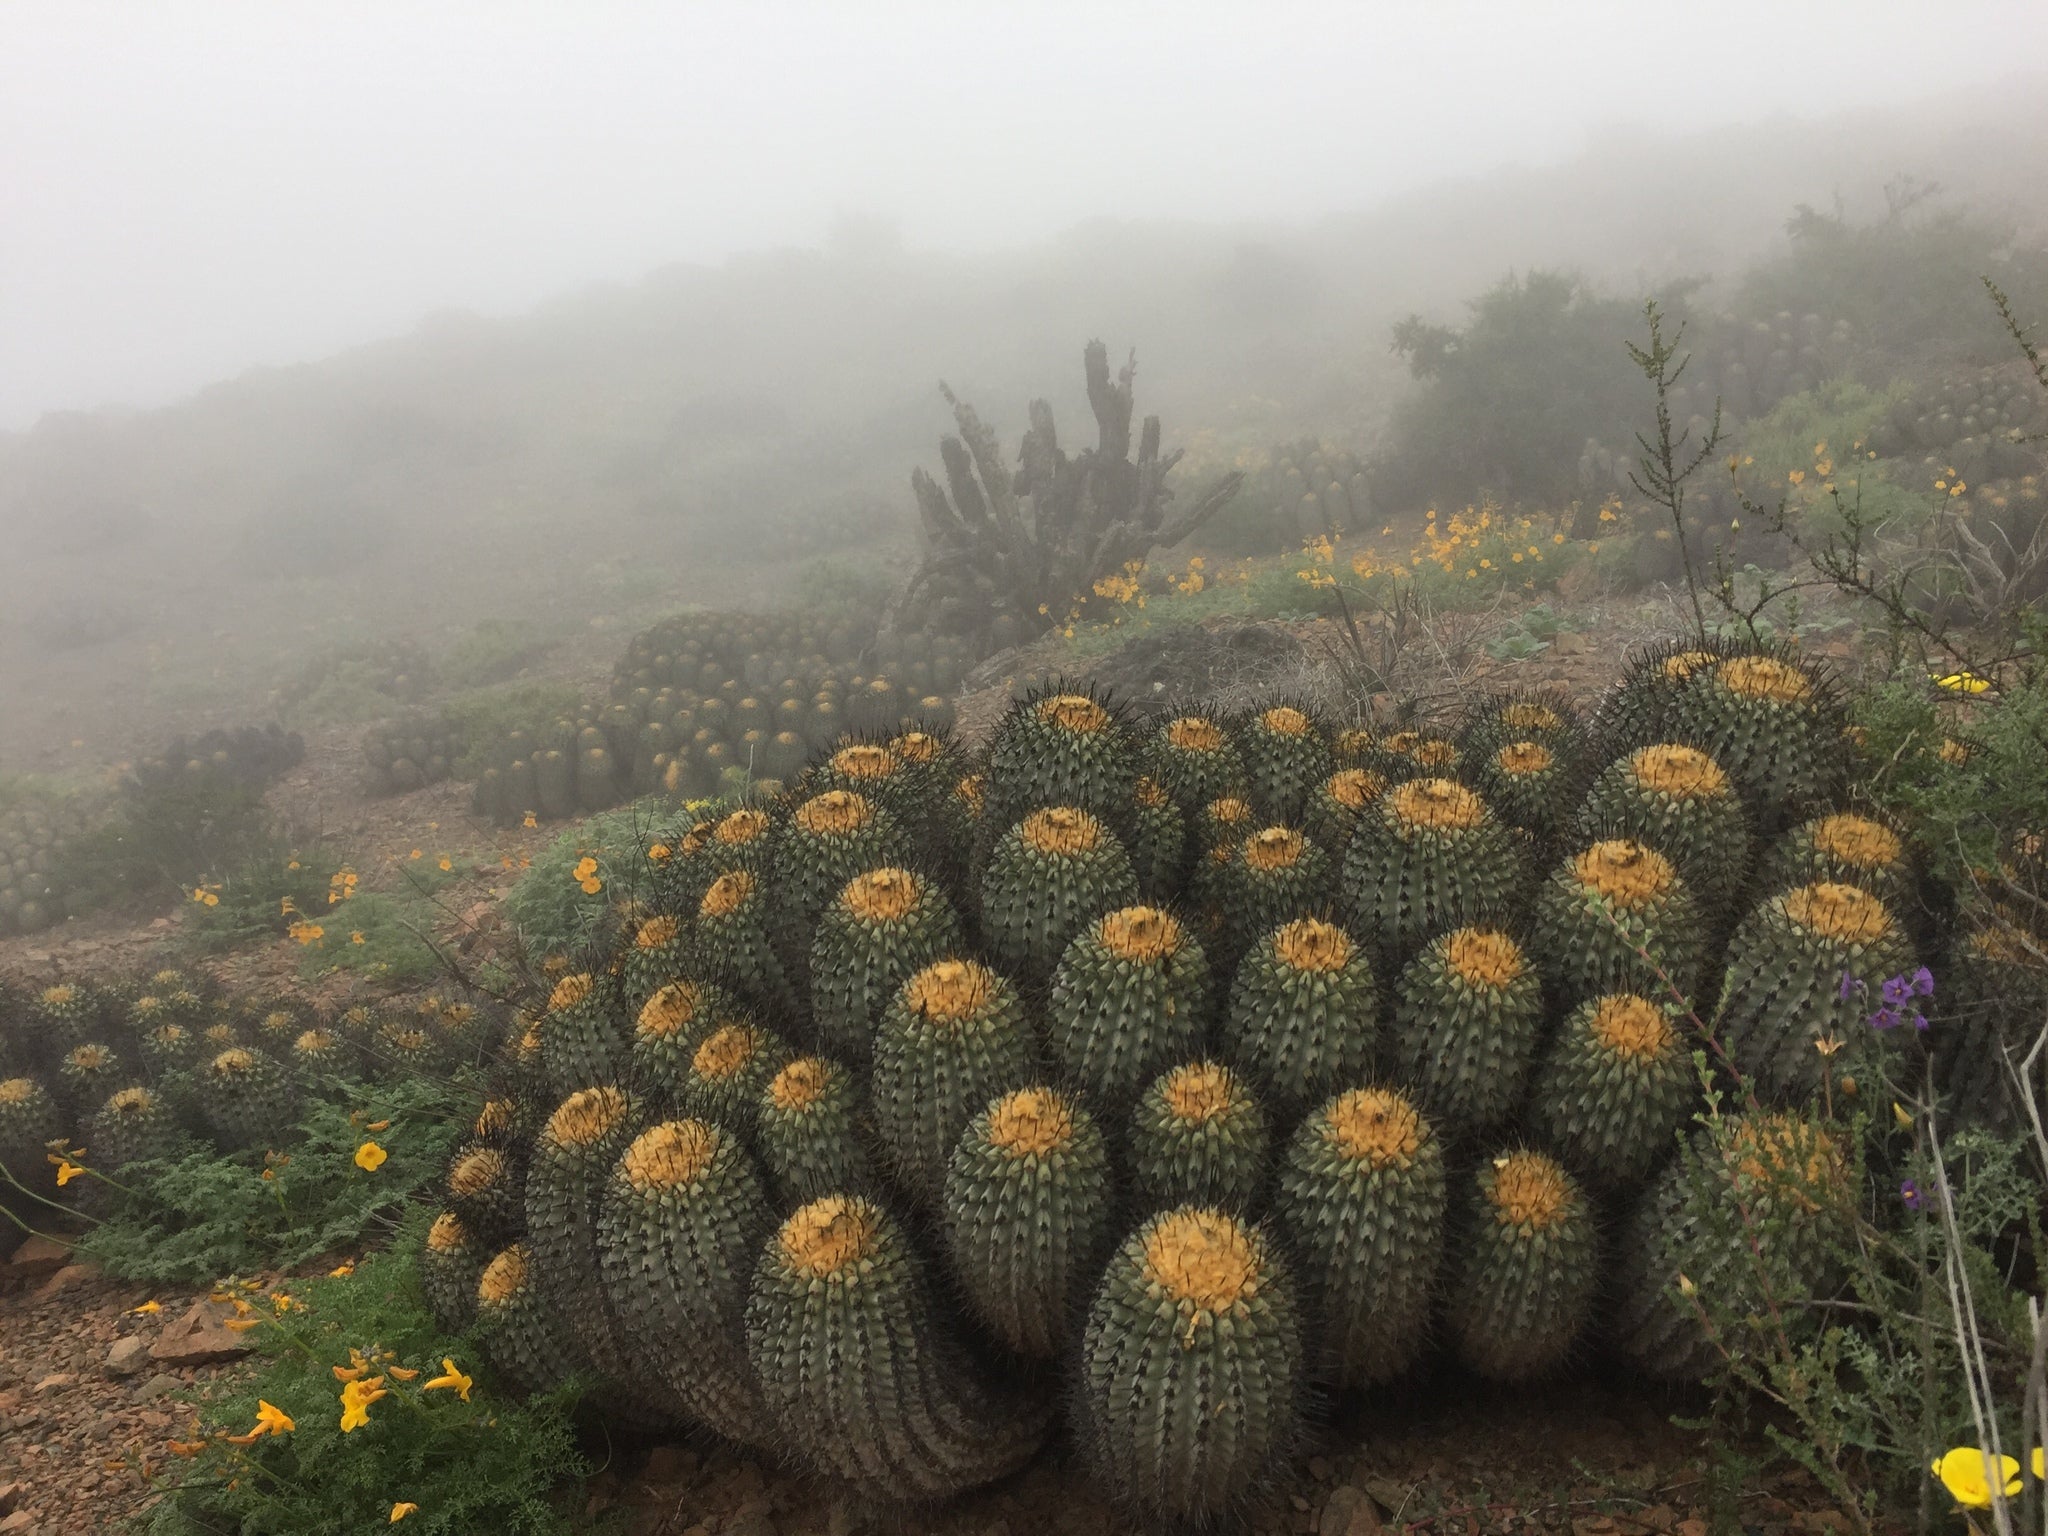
pixel 1528 1269
pixel 1027 1208
pixel 580 1041
pixel 1191 1360
pixel 1805 970
pixel 1198 1137
pixel 487 1190
pixel 1428 858
pixel 1046 878
pixel 902 1414
pixel 1131 997
pixel 1304 1013
pixel 1619 1086
pixel 1285 756
pixel 1362 1195
pixel 681 1220
pixel 1616 917
pixel 1676 800
pixel 735 944
pixel 885 925
pixel 1467 1024
pixel 954 1038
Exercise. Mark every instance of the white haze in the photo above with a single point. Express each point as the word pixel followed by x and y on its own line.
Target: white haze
pixel 189 190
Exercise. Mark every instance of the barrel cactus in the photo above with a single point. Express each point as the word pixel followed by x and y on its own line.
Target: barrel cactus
pixel 1304 1013
pixel 1199 1137
pixel 1430 857
pixel 1467 1024
pixel 1528 1270
pixel 1131 997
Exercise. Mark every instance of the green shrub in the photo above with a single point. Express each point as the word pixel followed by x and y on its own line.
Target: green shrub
pixel 493 651
pixel 466 1452
pixel 185 1220
pixel 483 717
pixel 554 907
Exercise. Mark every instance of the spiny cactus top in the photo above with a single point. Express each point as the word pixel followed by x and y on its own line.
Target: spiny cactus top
pixel 727 894
pixel 585 1117
pixel 669 1011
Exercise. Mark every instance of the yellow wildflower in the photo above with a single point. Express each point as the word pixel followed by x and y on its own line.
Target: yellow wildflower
pixel 148 1309
pixel 370 1157
pixel 415 854
pixel 356 1398
pixel 67 1171
pixel 446 863
pixel 531 820
pixel 402 1373
pixel 1963 682
pixel 342 1270
pixel 400 1510
pixel 1797 477
pixel 1966 1473
pixel 451 1379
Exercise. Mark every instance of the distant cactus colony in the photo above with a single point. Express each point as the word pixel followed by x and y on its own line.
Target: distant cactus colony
pixel 1141 1078
pixel 705 699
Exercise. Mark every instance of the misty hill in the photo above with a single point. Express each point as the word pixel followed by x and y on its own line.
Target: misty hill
pixel 705 422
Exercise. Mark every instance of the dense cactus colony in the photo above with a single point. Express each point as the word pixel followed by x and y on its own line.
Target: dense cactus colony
pixel 409 751
pixel 35 885
pixel 940 1118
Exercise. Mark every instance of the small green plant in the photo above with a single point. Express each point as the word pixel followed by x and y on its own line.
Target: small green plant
pixel 1528 634
pixel 358 1156
pixel 361 1414
pixel 564 895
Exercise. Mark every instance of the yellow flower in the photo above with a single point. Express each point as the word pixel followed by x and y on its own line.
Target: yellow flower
pixel 305 932
pixel 401 1510
pixel 1957 489
pixel 286 907
pixel 1966 1473
pixel 1963 682
pixel 370 1157
pixel 148 1309
pixel 446 863
pixel 294 864
pixel 67 1171
pixel 450 1379
pixel 415 854
pixel 1797 476
pixel 1899 1114
pixel 531 820
pixel 273 1421
pixel 1557 538
pixel 659 852
pixel 342 1270
pixel 585 868
pixel 356 1398
pixel 357 937
pixel 402 1373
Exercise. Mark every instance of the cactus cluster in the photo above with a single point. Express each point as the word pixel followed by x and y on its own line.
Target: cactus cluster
pixel 252 756
pixel 36 884
pixel 941 1120
pixel 410 751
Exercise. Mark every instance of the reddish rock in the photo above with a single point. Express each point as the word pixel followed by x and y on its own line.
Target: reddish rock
pixel 200 1337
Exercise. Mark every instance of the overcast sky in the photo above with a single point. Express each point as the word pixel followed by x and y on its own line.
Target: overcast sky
pixel 187 190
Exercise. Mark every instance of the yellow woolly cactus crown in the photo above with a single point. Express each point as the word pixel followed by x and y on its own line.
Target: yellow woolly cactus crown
pixel 1195 733
pixel 1441 805
pixel 949 991
pixel 1629 874
pixel 1274 848
pixel 880 895
pixel 129 1101
pixel 1682 773
pixel 233 1062
pixel 569 991
pixel 1529 1191
pixel 800 1084
pixel 1764 678
pixel 828 1237
pixel 1847 914
pixel 1199 1092
pixel 1633 1028
pixel 1527 716
pixel 836 811
pixel 1521 759
pixel 669 1011
pixel 504 1277
pixel 725 1052
pixel 586 1117
pixel 1031 1122
pixel 1204 1260
pixel 1285 720
pixel 1310 944
pixel 1484 957
pixel 1141 935
pixel 656 932
pixel 475 1171
pixel 864 762
pixel 17 1090
pixel 727 893
pixel 1355 788
pixel 670 1155
pixel 741 827
pixel 1074 712
pixel 1061 831
pixel 447 1234
pixel 1858 841
pixel 1374 1125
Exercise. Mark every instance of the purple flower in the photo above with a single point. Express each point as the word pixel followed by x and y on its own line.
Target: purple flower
pixel 1849 988
pixel 1923 982
pixel 1919 1020
pixel 1909 1195
pixel 1895 991
pixel 1886 1018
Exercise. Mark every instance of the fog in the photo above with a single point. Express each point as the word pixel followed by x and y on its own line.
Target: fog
pixel 190 190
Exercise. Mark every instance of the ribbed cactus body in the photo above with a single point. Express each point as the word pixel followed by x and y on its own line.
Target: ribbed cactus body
pixel 1286 754
pixel 826 841
pixel 524 1334
pixel 1191 1368
pixel 1337 805
pixel 1132 995
pixel 1785 989
pixel 30 1118
pixel 1528 1268
pixel 1467 1024
pixel 733 1062
pixel 900 1412
pixel 1618 1087
pixel 885 925
pixel 451 1263
pixel 168 1048
pixel 581 1041
pixel 807 1129
pixel 1758 1208
pixel 1428 858
pixel 1775 726
pixel 133 1125
pixel 670 1025
pixel 1193 758
pixel 1061 748
pixel 1276 875
pixel 1529 784
pixel 247 1099
pixel 1198 1137
pixel 1362 1198
pixel 486 1187
pixel 680 1222
pixel 735 943
pixel 1047 878
pixel 656 954
pixel 1158 840
pixel 953 1038
pixel 1676 800
pixel 1604 909
pixel 1990 1005
pixel 1026 1213
pixel 1845 849
pixel 86 1074
pixel 65 1016
pixel 1638 710
pixel 1547 718
pixel 1303 1018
